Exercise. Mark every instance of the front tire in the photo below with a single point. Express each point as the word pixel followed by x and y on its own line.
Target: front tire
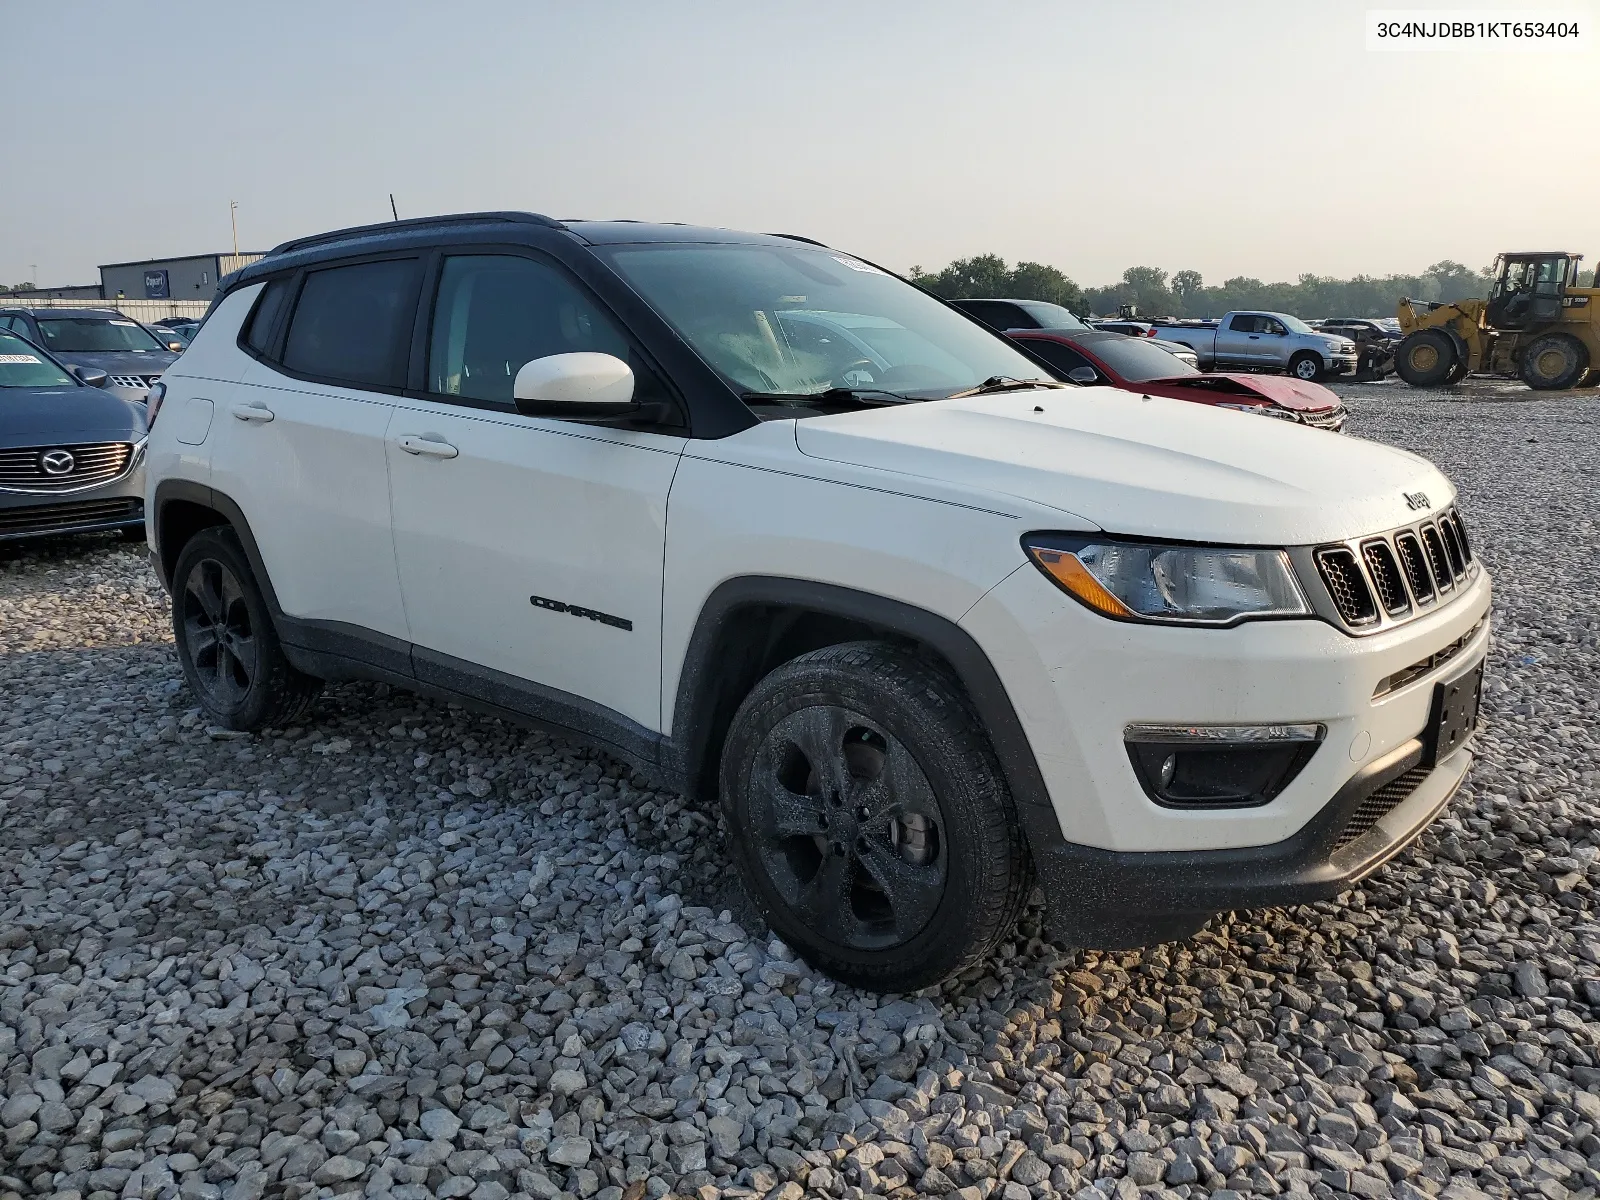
pixel 1307 366
pixel 227 644
pixel 1553 362
pixel 871 819
pixel 1426 358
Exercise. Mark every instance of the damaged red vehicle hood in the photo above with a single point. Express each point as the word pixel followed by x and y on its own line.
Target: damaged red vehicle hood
pixel 1282 390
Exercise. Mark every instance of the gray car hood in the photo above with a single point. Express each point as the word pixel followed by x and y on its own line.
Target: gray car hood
pixel 121 362
pixel 54 416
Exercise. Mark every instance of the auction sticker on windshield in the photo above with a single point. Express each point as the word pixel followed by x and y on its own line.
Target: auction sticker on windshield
pixel 857 265
pixel 8 359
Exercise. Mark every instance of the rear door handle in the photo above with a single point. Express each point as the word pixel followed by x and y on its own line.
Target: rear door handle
pixel 432 447
pixel 250 410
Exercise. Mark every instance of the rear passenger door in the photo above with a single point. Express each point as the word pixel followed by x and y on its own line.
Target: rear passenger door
pixel 299 446
pixel 530 548
pixel 1239 340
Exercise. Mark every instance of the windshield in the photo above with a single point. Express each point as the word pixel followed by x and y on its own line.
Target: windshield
pixel 91 335
pixel 1052 316
pixel 800 321
pixel 1295 324
pixel 21 366
pixel 1137 360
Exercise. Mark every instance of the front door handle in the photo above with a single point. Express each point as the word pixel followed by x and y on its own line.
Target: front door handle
pixel 429 446
pixel 253 411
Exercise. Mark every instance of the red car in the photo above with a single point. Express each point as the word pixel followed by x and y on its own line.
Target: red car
pixel 1134 365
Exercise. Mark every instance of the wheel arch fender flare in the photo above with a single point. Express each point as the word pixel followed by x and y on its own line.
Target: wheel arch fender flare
pixel 702 711
pixel 171 492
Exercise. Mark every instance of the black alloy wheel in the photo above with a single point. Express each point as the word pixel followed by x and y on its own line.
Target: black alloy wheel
pixel 850 832
pixel 218 633
pixel 870 818
pixel 227 644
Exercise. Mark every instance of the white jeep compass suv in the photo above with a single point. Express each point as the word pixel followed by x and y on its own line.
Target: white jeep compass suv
pixel 774 525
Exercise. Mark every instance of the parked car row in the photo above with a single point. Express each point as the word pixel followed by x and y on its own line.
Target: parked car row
pixel 1148 365
pixel 71 446
pixel 779 528
pixel 100 339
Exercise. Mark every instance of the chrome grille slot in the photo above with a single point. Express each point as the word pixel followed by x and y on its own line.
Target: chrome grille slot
pixel 1438 560
pixel 1461 533
pixel 1416 567
pixel 24 469
pixel 1385 573
pixel 1452 546
pixel 1341 572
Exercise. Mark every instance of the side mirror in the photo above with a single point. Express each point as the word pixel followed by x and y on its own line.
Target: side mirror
pixel 175 347
pixel 93 376
pixel 1083 375
pixel 580 385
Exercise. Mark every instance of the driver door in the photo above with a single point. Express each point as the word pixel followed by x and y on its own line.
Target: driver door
pixel 530 548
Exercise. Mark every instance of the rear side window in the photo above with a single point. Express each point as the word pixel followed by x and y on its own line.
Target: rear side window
pixel 352 324
pixel 1243 323
pixel 264 317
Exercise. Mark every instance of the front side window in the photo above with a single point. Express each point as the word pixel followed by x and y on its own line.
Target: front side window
pixel 756 314
pixel 497 312
pixel 21 366
pixel 96 335
pixel 352 324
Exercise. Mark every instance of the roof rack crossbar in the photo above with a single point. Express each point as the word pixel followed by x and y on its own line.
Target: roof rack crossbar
pixel 356 231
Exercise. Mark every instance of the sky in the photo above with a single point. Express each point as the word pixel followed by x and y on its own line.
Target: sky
pixel 1231 137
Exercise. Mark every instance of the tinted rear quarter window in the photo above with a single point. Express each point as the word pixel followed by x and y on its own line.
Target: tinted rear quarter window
pixel 352 324
pixel 1062 359
pixel 264 317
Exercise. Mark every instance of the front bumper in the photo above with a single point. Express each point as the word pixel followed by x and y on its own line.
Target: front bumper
pixel 1119 868
pixel 1339 364
pixel 116 504
pixel 1113 900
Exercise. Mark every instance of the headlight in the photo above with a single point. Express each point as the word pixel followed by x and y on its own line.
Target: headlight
pixel 1262 410
pixel 1185 585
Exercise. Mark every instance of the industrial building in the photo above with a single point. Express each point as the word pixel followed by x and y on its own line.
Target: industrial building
pixel 190 277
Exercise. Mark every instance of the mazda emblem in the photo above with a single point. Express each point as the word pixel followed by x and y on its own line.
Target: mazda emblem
pixel 57 462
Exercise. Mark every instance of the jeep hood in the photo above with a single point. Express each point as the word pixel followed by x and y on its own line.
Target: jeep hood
pixel 1146 467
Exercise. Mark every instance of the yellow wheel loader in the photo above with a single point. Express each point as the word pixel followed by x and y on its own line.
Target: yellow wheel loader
pixel 1536 325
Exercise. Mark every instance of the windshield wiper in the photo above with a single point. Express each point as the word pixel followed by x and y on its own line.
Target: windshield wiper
pixel 1005 383
pixel 867 397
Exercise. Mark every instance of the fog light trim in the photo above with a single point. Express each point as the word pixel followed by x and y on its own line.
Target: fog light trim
pixel 1219 766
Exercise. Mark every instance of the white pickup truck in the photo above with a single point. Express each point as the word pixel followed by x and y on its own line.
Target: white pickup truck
pixel 1263 340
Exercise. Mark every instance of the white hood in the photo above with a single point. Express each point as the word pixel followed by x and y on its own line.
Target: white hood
pixel 1145 467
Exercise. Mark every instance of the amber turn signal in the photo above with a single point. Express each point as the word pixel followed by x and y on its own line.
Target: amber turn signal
pixel 1063 566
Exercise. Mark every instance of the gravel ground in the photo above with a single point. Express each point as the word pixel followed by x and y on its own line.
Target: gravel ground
pixel 409 951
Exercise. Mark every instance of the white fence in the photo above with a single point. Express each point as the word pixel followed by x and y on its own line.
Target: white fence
pixel 139 310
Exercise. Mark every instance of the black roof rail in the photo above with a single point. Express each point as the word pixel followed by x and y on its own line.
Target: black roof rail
pixel 356 231
pixel 798 237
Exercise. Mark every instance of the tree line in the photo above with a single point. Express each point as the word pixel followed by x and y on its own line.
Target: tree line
pixel 1156 293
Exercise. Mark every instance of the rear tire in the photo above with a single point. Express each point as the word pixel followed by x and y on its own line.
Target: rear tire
pixel 227 644
pixel 1426 358
pixel 1553 362
pixel 871 819
pixel 1307 366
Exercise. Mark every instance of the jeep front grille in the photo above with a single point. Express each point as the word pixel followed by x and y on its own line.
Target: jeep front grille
pixel 1416 567
pixel 1348 587
pixel 1385 573
pixel 40 468
pixel 133 381
pixel 1377 581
